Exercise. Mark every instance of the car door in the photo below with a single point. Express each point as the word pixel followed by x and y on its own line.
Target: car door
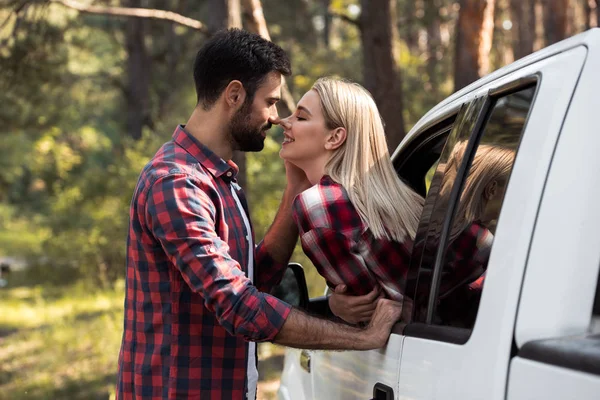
pixel 557 330
pixel 476 230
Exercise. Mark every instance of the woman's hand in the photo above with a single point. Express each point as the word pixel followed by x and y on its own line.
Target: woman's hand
pixel 354 309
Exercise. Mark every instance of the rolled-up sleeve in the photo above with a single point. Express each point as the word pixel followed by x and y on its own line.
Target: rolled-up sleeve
pixel 181 215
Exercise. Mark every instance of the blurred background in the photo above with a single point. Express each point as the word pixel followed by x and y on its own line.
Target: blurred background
pixel 90 90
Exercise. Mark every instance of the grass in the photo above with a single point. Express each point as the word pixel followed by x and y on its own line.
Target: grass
pixel 63 343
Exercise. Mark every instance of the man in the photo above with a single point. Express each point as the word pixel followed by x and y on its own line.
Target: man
pixel 196 285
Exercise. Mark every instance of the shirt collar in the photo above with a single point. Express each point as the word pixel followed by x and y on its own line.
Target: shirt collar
pixel 209 160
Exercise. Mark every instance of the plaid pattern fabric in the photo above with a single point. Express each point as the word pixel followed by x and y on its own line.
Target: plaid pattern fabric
pixel 341 246
pixel 465 260
pixel 463 276
pixel 189 307
pixel 466 257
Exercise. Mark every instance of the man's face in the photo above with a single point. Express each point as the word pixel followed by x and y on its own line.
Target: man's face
pixel 249 125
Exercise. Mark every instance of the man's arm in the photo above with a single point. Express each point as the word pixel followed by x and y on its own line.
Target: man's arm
pixel 282 236
pixel 306 332
pixel 274 252
pixel 180 214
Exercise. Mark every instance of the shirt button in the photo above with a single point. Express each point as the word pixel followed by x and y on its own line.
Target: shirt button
pixel 229 174
pixel 212 249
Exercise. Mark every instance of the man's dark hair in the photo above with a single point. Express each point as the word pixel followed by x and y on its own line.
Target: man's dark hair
pixel 234 54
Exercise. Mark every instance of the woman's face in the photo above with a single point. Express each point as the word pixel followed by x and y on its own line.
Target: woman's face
pixel 305 133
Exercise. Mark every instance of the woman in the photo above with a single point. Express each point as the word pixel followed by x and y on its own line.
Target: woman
pixel 358 221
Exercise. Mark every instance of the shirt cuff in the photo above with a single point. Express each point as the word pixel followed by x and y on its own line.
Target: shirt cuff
pixel 269 320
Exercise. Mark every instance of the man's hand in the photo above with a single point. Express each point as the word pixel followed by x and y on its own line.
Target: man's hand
pixel 354 309
pixel 386 315
pixel 296 178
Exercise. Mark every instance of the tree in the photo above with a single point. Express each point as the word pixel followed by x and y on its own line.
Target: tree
pixel 410 25
pixel 434 43
pixel 138 75
pixel 381 75
pixel 555 20
pixel 587 9
pixel 474 34
pixel 523 27
pixel 256 23
pixel 326 22
pixel 224 14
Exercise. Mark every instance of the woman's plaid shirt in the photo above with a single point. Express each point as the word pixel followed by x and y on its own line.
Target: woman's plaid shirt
pixel 189 307
pixel 341 246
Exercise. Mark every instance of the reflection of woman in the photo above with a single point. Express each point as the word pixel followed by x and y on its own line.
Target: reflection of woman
pixel 358 221
pixel 474 221
pixel 483 187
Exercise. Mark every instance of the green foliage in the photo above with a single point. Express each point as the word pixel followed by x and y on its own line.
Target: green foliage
pixel 67 166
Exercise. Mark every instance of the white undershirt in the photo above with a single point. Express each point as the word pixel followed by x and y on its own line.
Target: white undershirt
pixel 252 371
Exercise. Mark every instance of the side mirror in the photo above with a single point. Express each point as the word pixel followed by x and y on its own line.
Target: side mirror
pixel 292 289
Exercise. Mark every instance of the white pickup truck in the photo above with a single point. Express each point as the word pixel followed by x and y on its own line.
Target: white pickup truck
pixel 532 329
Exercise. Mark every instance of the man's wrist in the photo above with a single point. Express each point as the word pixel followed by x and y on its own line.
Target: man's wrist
pixel 365 339
pixel 295 189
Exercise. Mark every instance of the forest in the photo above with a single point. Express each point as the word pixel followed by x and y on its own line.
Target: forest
pixel 89 90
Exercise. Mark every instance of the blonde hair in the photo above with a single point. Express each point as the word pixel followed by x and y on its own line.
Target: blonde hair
pixel 490 163
pixel 362 164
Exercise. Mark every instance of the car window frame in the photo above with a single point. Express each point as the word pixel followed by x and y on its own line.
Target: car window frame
pixel 426 329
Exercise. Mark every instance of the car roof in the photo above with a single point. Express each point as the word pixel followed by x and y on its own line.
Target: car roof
pixel 451 104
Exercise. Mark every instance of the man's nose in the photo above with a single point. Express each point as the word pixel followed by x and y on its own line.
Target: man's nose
pixel 284 122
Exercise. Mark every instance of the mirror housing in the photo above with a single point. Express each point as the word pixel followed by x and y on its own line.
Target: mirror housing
pixel 292 289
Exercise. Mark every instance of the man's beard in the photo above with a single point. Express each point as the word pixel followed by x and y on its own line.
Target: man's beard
pixel 244 136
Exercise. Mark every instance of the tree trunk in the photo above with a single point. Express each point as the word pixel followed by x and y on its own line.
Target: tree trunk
pixel 257 24
pixel 381 76
pixel 411 25
pixel 138 75
pixel 523 28
pixel 326 23
pixel 587 9
pixel 555 20
pixel 434 43
pixel 224 14
pixel 474 35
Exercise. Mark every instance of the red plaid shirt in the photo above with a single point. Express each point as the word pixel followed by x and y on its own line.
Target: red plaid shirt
pixel 341 246
pixel 189 307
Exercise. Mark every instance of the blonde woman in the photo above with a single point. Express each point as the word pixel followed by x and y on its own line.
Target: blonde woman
pixel 358 221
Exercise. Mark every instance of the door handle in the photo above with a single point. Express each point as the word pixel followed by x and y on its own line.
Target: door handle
pixel 382 392
pixel 305 360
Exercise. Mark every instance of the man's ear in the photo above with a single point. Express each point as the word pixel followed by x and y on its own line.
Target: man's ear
pixel 336 138
pixel 235 94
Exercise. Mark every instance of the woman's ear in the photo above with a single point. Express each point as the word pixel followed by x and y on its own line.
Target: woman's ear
pixel 336 138
pixel 490 190
pixel 235 94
